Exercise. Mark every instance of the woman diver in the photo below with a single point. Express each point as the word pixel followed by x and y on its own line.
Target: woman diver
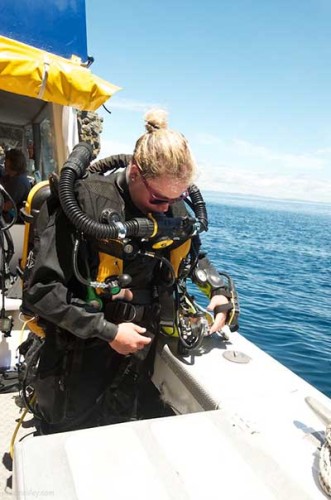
pixel 102 310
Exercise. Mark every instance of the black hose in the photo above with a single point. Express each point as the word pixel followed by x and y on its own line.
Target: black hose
pixel 74 169
pixel 5 195
pixel 10 246
pixel 114 162
pixel 109 164
pixel 25 383
pixel 199 206
pixel 75 264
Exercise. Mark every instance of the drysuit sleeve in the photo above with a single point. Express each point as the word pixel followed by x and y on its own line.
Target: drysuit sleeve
pixel 207 278
pixel 49 292
pixel 211 282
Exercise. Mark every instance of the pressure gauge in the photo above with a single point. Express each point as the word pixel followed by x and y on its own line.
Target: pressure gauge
pixel 201 276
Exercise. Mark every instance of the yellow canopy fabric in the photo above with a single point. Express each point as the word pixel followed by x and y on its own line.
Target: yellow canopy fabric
pixel 32 72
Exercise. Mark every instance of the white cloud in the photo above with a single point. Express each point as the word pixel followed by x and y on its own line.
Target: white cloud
pixel 254 169
pixel 133 105
pixel 207 139
pixel 285 160
pixel 324 151
pixel 249 154
pixel 234 179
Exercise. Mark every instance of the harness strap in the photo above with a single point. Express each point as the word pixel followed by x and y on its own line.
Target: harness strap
pixel 120 311
pixel 223 308
pixel 142 296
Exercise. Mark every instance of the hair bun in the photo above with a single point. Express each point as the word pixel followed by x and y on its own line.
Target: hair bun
pixel 156 119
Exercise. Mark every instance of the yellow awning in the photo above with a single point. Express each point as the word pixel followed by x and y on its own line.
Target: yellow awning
pixel 33 72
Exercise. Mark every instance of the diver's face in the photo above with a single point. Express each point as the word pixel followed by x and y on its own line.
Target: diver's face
pixel 155 194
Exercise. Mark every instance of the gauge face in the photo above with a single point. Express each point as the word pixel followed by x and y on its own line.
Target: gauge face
pixel 201 275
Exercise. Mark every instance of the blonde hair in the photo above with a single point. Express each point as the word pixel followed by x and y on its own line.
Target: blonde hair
pixel 163 151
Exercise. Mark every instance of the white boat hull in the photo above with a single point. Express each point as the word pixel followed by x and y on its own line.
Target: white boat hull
pixel 261 440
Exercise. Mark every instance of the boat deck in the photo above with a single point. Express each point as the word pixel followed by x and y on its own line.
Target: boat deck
pixel 260 439
pixel 260 428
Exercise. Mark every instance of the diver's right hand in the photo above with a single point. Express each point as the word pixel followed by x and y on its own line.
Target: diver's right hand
pixel 128 339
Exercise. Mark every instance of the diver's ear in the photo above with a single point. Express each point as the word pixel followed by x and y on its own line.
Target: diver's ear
pixel 133 172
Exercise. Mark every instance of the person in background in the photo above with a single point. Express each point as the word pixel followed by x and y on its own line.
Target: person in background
pixel 15 182
pixel 97 358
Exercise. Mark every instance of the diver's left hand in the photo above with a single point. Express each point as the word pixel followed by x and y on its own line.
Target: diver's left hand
pixel 220 318
pixel 124 294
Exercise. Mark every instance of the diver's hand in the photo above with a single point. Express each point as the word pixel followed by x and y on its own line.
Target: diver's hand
pixel 220 318
pixel 124 294
pixel 128 339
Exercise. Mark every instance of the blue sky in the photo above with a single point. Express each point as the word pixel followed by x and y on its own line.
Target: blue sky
pixel 248 82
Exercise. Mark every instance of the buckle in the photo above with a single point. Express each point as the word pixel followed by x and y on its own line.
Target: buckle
pixel 120 311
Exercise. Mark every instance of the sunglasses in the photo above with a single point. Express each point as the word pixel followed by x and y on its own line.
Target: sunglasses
pixel 155 198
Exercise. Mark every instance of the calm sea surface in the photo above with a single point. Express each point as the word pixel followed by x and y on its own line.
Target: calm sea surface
pixel 279 254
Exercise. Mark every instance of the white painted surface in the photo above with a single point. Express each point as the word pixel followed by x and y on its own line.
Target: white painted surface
pixel 192 457
pixel 8 345
pixel 262 443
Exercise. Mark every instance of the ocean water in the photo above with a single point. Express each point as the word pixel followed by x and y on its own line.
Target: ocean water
pixel 279 254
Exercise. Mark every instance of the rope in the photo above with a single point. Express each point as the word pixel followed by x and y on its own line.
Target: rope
pixel 325 462
pixel 324 473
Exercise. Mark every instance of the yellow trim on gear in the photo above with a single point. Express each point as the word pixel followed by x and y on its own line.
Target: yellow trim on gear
pixel 19 423
pixel 32 323
pixel 177 255
pixel 233 310
pixel 28 209
pixel 162 244
pixel 108 266
pixel 150 216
